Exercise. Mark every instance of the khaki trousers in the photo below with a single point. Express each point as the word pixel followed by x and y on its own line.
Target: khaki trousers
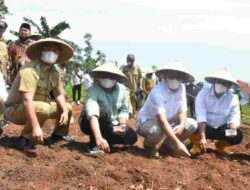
pixel 16 114
pixel 153 134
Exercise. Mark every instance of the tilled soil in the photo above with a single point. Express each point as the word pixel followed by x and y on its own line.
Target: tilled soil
pixel 68 166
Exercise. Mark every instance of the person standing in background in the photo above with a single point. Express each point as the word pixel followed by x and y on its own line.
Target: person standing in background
pixel 76 82
pixel 148 82
pixel 134 76
pixel 17 49
pixel 87 81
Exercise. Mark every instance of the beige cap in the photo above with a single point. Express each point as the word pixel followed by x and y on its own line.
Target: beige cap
pixel 175 66
pixel 33 51
pixel 149 71
pixel 111 68
pixel 222 74
pixel 35 36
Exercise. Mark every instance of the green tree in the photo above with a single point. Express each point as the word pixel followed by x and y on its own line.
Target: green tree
pixel 90 62
pixel 3 9
pixel 154 67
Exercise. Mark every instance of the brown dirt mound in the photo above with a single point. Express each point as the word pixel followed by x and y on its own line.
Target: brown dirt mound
pixel 68 166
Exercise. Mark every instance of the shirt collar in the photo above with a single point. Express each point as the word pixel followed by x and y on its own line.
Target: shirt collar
pixel 46 68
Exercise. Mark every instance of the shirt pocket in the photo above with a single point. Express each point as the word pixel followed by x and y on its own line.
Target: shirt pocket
pixel 42 86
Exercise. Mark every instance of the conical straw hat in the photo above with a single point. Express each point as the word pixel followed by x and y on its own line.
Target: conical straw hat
pixel 111 68
pixel 33 51
pixel 222 74
pixel 175 66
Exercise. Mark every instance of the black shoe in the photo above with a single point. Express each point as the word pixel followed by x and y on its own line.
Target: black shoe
pixel 24 143
pixel 55 137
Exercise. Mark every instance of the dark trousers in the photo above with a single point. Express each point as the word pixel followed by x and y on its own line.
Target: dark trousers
pixel 77 88
pixel 106 128
pixel 220 134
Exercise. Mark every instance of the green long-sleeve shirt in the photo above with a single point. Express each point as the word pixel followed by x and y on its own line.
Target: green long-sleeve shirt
pixel 116 102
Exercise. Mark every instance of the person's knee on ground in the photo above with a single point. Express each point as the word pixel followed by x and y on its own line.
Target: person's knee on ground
pixel 152 136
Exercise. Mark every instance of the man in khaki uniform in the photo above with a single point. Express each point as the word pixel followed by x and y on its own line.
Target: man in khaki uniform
pixel 133 74
pixel 4 57
pixel 29 101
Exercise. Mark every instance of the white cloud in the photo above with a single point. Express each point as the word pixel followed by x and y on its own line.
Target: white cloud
pixel 217 23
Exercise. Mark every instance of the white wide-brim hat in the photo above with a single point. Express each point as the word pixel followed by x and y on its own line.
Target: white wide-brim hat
pixel 177 67
pixel 33 51
pixel 111 68
pixel 222 74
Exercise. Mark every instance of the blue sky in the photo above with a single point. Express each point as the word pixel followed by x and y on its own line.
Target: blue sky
pixel 204 35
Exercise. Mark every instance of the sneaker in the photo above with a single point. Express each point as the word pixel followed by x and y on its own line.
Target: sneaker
pixel 4 123
pixel 55 137
pixel 223 148
pixel 196 149
pixel 78 102
pixel 95 151
pixel 152 152
pixel 73 103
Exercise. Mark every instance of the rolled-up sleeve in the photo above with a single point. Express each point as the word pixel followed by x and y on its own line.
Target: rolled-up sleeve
pixel 200 107
pixel 234 114
pixel 123 111
pixel 28 81
pixel 92 107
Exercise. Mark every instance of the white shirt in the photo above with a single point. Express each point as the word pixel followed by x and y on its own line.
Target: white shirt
pixel 163 100
pixel 75 80
pixel 3 93
pixel 87 81
pixel 216 111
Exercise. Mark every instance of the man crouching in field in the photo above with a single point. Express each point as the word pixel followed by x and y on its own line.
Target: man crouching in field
pixel 165 112
pixel 105 116
pixel 218 114
pixel 29 100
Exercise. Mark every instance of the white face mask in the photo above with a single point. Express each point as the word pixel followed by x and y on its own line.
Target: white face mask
pixel 107 83
pixel 220 88
pixel 49 57
pixel 173 84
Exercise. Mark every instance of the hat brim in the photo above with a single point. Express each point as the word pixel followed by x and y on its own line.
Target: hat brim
pixel 35 36
pixel 119 78
pixel 185 76
pixel 33 51
pixel 212 80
